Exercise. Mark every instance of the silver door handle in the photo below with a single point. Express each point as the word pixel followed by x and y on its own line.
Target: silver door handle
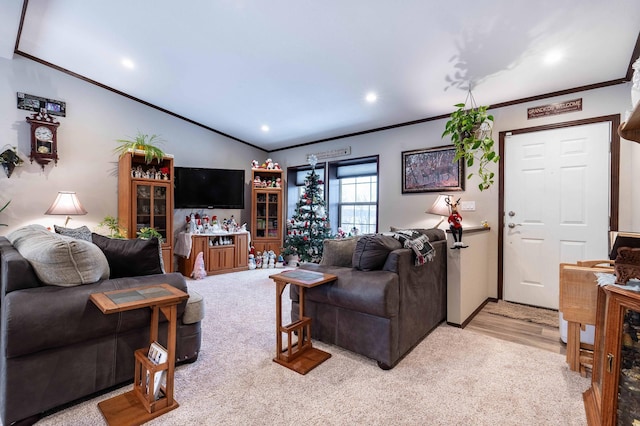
pixel 513 225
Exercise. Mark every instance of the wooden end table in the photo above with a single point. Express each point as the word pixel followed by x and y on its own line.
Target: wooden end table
pixel 139 405
pixel 301 356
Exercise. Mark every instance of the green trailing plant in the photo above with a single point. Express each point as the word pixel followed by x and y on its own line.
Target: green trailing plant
pixel 148 233
pixel 142 142
pixel 470 130
pixel 113 226
pixel 9 160
pixel 1 209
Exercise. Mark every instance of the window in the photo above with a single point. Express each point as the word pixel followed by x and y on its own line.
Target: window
pixel 359 204
pixel 350 190
pixel 353 197
pixel 295 184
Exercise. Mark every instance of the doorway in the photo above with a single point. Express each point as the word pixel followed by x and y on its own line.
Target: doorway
pixel 558 200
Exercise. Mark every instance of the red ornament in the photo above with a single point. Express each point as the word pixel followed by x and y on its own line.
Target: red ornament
pixel 308 201
pixel 305 238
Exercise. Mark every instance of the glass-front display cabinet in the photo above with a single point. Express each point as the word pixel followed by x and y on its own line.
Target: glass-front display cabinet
pixel 145 199
pixel 266 210
pixel 614 396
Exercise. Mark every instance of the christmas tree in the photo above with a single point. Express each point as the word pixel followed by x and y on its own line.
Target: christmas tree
pixel 308 227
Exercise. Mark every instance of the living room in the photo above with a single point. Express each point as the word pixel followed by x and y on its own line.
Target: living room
pixel 96 117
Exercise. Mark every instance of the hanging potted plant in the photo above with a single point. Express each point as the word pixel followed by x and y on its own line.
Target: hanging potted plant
pixel 471 133
pixel 10 160
pixel 142 142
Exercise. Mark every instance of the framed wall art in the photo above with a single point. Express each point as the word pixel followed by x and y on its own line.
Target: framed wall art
pixel 432 170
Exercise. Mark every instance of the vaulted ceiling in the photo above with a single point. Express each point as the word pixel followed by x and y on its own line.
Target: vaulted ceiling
pixel 287 72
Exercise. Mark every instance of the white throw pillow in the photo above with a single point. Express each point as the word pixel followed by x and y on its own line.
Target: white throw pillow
pixel 60 260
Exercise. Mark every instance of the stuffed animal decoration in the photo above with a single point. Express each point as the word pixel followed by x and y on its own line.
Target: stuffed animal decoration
pixel 198 268
pixel 455 224
pixel 252 262
pixel 255 164
pixel 270 165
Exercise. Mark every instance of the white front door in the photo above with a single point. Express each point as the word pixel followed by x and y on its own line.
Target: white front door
pixel 556 203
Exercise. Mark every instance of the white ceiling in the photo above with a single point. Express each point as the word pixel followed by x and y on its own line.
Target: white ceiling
pixel 303 67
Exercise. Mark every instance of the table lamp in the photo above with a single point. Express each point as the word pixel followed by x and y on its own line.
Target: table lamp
pixel 66 203
pixel 441 208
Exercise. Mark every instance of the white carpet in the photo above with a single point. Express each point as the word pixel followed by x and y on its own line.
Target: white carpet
pixel 453 377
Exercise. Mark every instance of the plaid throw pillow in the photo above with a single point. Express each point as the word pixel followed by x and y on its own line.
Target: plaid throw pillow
pixel 418 242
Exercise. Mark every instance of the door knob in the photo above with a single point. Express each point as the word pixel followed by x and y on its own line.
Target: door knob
pixel 512 213
pixel 513 225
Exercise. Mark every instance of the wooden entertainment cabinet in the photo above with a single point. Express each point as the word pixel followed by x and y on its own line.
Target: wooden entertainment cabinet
pixel 218 257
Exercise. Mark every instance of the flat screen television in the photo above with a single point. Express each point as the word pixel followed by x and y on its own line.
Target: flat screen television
pixel 199 188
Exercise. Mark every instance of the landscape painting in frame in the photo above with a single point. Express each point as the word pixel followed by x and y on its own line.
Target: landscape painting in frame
pixel 432 170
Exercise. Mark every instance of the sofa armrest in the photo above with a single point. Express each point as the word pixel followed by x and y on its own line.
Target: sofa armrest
pixel 396 258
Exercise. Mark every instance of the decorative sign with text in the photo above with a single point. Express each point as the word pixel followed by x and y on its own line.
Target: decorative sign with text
pixel 37 103
pixel 554 109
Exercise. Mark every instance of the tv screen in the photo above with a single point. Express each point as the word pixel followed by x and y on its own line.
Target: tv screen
pixel 197 188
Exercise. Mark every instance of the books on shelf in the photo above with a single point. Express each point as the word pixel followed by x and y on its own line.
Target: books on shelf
pixel 157 355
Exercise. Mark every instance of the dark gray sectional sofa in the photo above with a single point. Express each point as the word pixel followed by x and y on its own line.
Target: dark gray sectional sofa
pixel 381 309
pixel 56 346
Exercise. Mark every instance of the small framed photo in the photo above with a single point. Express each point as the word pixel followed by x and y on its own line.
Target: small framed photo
pixel 432 170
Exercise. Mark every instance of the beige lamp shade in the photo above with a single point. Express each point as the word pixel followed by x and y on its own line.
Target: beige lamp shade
pixel 66 203
pixel 441 208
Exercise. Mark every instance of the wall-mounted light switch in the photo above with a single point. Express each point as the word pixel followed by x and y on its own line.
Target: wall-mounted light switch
pixel 468 206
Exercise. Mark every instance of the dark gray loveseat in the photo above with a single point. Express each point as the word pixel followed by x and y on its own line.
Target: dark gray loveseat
pixel 57 347
pixel 383 313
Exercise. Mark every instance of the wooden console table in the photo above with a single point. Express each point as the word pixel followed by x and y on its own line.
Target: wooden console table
pixel 139 405
pixel 301 356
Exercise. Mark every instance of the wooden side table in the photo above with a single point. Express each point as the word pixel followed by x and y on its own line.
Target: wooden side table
pixel 301 356
pixel 139 405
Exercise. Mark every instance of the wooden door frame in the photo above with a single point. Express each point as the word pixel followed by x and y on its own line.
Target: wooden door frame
pixel 614 191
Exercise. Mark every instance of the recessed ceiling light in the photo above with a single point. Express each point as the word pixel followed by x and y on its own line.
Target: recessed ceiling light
pixel 371 97
pixel 553 57
pixel 128 63
pixel 264 128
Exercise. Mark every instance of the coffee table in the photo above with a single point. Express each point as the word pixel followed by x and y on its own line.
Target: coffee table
pixel 299 356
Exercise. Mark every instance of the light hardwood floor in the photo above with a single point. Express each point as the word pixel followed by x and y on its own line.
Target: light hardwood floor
pixel 523 332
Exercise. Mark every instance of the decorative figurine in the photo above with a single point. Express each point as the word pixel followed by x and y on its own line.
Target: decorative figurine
pixel 280 262
pixel 455 224
pixel 255 164
pixel 198 268
pixel 252 262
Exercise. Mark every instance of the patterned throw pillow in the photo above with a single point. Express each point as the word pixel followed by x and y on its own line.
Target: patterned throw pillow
pixel 81 233
pixel 418 242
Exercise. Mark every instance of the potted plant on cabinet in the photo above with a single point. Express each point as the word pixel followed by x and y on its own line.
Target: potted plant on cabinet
pixel 148 144
pixel 148 233
pixel 471 134
pixel 115 229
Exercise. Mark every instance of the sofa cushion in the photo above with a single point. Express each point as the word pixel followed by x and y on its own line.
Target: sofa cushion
pixel 81 233
pixel 373 292
pixel 130 258
pixel 60 260
pixel 372 250
pixel 338 252
pixel 57 316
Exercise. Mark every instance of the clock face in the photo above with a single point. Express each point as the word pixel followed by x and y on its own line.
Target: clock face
pixel 43 133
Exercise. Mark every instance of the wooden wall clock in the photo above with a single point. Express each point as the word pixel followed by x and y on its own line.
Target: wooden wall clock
pixel 44 142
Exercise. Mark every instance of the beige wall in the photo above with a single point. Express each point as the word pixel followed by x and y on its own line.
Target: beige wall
pixel 95 119
pixel 407 210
